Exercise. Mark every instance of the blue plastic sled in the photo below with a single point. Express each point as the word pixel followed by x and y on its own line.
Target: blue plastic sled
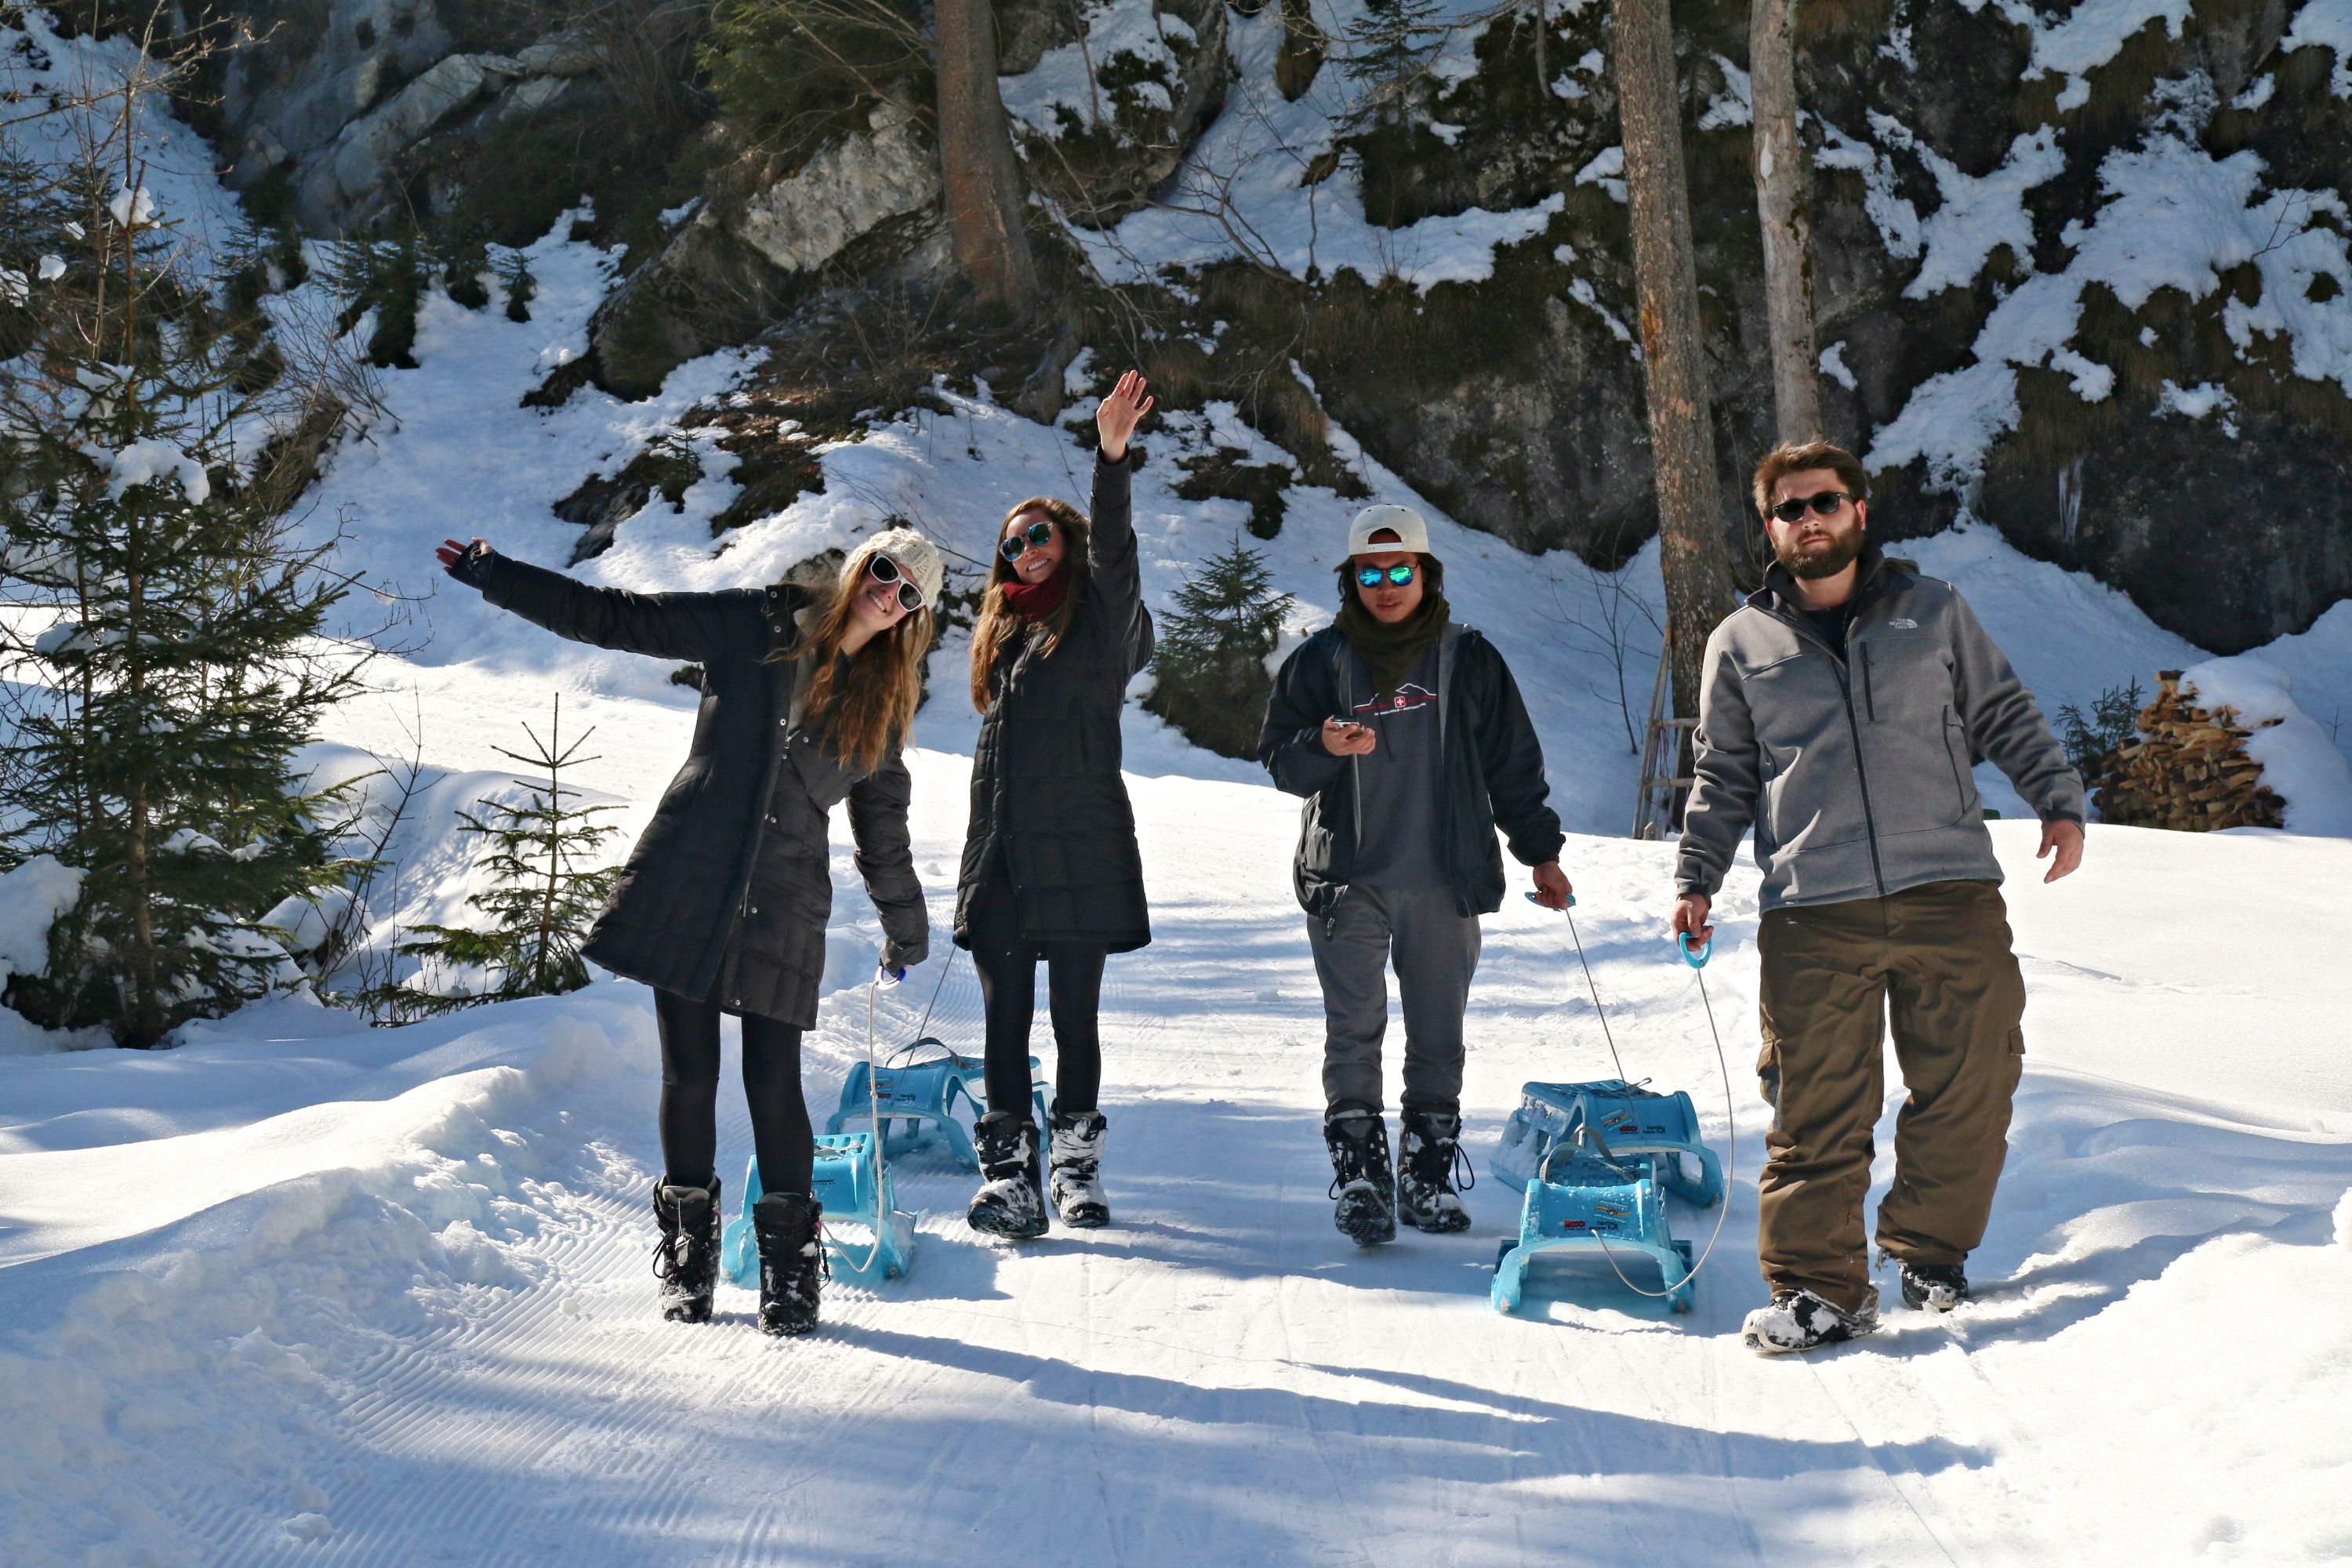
pixel 923 1095
pixel 849 1183
pixel 1596 1161
pixel 1658 1130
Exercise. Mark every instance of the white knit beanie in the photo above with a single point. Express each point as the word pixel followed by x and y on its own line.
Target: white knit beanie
pixel 916 557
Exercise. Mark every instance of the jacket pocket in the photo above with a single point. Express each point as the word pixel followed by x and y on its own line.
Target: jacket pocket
pixel 1964 785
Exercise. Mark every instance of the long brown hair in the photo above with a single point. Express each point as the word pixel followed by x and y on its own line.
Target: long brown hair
pixel 869 710
pixel 1000 623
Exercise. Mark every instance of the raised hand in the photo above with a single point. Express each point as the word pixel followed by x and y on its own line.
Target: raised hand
pixel 449 550
pixel 1116 415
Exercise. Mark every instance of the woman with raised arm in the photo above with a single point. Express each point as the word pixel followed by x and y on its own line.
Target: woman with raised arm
pixel 1050 867
pixel 806 699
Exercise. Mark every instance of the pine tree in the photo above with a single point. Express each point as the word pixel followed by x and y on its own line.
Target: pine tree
pixel 1211 656
pixel 1389 48
pixel 146 479
pixel 542 901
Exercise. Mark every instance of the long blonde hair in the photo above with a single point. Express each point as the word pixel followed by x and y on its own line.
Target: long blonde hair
pixel 868 711
pixel 1000 623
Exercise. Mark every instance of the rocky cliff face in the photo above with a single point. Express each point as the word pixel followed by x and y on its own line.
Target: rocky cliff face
pixel 2081 273
pixel 2077 275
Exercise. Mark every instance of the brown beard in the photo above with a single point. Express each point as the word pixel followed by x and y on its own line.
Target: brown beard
pixel 1829 563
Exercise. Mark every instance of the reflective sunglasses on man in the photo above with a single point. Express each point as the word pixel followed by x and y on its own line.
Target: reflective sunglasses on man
pixel 882 569
pixel 1826 502
pixel 1372 577
pixel 1036 536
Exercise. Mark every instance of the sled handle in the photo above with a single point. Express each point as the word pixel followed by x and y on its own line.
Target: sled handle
pixel 1541 905
pixel 1695 960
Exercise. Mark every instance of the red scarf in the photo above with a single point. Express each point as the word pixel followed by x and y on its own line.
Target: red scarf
pixel 1035 601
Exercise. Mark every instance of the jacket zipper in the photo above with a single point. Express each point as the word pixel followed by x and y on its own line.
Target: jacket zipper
pixel 1869 702
pixel 1861 773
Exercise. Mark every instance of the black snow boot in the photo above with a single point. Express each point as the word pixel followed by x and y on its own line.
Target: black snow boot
pixel 1800 1319
pixel 686 1259
pixel 1934 1287
pixel 792 1262
pixel 1011 1201
pixel 1361 1178
pixel 1429 1156
pixel 1074 1156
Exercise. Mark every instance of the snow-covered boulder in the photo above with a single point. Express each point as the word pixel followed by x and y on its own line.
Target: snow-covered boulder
pixel 32 897
pixel 1105 121
pixel 2300 763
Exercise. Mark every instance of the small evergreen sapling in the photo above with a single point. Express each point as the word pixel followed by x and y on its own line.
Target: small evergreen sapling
pixel 1212 653
pixel 178 651
pixel 545 894
pixel 2091 739
pixel 1389 45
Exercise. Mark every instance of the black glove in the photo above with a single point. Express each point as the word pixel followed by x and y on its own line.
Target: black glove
pixel 473 567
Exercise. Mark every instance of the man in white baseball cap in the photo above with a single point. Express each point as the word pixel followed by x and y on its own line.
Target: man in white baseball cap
pixel 1404 730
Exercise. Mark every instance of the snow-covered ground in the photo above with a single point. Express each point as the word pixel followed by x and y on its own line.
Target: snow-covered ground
pixel 299 1290
pixel 303 1291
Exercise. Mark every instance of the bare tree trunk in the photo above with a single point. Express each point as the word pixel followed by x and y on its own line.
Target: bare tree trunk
pixel 1780 208
pixel 982 176
pixel 1696 558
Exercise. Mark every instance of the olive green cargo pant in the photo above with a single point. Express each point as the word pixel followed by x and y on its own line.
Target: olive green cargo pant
pixel 1935 962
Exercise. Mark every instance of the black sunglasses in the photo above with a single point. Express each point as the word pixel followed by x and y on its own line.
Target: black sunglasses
pixel 1036 536
pixel 1826 502
pixel 1401 573
pixel 882 569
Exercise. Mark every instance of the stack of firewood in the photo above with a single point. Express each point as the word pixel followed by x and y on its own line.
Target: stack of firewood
pixel 2189 770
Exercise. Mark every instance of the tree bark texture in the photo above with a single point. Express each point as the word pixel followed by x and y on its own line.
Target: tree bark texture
pixel 981 175
pixel 1781 209
pixel 1697 559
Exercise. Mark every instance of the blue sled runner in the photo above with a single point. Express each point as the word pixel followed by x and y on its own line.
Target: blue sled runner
pixel 1596 1161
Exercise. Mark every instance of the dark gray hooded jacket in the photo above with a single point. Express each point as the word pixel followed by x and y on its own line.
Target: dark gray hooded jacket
pixel 1855 772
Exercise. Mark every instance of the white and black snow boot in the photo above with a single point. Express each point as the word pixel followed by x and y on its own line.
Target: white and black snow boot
pixel 1362 1181
pixel 1429 1157
pixel 1075 1157
pixel 1799 1320
pixel 791 1233
pixel 1011 1201
pixel 686 1259
pixel 1934 1287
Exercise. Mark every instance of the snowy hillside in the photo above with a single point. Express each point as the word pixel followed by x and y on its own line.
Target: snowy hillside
pixel 302 1291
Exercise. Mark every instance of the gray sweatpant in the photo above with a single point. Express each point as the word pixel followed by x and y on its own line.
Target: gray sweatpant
pixel 1435 953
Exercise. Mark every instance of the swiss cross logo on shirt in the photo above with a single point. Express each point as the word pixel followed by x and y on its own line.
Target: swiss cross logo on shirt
pixel 1408 698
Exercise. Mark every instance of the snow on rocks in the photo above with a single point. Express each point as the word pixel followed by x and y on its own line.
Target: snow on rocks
pixel 33 895
pixel 2176 218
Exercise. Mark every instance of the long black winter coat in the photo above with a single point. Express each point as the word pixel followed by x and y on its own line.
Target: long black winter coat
pixel 1493 769
pixel 728 892
pixel 1048 806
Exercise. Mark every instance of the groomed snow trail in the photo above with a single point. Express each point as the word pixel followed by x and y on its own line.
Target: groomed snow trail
pixel 428 1334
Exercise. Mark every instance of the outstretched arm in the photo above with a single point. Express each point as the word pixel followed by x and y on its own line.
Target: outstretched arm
pixel 702 627
pixel 1113 573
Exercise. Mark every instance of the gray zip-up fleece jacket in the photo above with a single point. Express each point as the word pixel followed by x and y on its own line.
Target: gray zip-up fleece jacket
pixel 1855 772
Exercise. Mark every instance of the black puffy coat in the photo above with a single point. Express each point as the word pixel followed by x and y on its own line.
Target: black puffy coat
pixel 1493 763
pixel 1048 807
pixel 728 892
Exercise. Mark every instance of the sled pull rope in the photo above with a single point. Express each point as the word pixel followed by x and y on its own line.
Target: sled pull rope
pixel 1731 1131
pixel 1598 1011
pixel 874 1099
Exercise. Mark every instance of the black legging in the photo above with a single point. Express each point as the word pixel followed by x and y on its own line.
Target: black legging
pixel 1008 992
pixel 781 1134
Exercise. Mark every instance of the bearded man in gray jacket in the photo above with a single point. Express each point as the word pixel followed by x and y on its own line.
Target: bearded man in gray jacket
pixel 1842 709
